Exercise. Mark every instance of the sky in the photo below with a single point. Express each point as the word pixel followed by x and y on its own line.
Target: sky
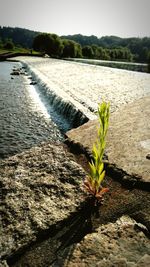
pixel 124 18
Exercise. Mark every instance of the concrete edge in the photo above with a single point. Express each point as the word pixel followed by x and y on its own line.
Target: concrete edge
pixel 127 180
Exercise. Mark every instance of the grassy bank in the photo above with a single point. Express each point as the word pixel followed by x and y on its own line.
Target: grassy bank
pixel 17 51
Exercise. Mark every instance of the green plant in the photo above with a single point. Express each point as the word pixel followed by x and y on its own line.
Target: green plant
pixel 93 181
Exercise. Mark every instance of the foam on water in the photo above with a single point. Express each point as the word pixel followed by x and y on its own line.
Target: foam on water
pixel 83 86
pixel 24 119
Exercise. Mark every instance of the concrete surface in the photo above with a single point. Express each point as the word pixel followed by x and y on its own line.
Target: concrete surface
pixel 128 140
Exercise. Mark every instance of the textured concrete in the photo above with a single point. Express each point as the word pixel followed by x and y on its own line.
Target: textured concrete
pixel 119 244
pixel 37 191
pixel 128 140
pixel 46 218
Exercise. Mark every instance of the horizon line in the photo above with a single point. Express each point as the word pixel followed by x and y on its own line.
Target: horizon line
pixel 111 35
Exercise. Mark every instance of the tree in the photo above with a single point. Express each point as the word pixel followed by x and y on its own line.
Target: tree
pixel 9 44
pixel 138 47
pixel 82 39
pixel 96 52
pixel 71 49
pixel 104 54
pixel 78 50
pixel 87 51
pixel 50 44
pixel 41 42
pixel 128 56
pixel 19 36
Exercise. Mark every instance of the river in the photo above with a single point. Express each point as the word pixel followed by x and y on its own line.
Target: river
pixel 25 119
pixel 55 95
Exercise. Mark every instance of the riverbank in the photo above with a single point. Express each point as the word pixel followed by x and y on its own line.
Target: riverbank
pixel 6 54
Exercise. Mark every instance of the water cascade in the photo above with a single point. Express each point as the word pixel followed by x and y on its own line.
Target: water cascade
pixel 61 103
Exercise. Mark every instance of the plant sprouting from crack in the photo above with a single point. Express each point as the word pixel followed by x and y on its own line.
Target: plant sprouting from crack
pixel 93 181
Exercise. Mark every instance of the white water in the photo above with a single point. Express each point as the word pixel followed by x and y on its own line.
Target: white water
pixel 84 86
pixel 25 120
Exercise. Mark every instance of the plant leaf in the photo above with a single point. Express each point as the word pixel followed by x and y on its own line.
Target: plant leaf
pixel 101 177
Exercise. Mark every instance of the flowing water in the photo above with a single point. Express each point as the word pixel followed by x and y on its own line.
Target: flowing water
pixel 86 85
pixel 25 119
pixel 62 95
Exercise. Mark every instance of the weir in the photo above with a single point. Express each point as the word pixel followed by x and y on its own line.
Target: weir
pixel 84 86
pixel 61 103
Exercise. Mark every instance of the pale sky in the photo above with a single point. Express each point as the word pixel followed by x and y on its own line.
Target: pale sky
pixel 124 18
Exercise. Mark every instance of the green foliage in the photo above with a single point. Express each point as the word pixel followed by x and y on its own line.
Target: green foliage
pixel 126 49
pixel 87 52
pixel 41 42
pixel 71 49
pixel 120 54
pixel 104 54
pixel 82 39
pixel 8 45
pixel 93 182
pixel 20 36
pixel 97 52
pixel 137 47
pixel 50 44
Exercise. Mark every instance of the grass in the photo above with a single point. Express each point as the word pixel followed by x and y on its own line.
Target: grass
pixel 17 50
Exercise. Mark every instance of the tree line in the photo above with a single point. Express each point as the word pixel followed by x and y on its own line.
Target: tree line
pixel 55 46
pixel 139 47
pixel 105 48
pixel 19 36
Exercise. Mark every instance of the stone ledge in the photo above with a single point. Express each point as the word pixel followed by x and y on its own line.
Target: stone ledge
pixel 122 244
pixel 40 189
pixel 128 140
pixel 43 207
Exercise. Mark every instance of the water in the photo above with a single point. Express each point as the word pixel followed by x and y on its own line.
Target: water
pixel 25 120
pixel 66 95
pixel 84 86
pixel 113 64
